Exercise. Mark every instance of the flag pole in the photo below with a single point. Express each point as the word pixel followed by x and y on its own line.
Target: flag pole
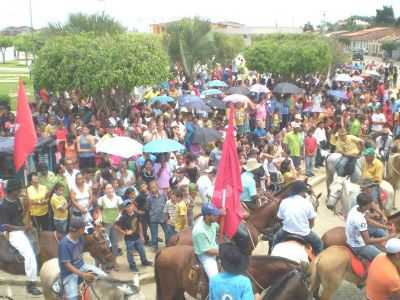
pixel 222 218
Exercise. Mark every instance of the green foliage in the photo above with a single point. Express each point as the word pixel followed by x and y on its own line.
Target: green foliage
pixel 4 98
pixel 390 46
pixel 80 23
pixel 5 42
pixel 227 47
pixel 385 16
pixel 99 66
pixel 289 55
pixel 308 27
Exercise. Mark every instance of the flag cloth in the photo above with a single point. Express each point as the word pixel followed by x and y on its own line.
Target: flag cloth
pixel 228 183
pixel 25 133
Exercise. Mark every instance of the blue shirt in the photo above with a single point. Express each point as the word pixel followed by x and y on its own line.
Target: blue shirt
pixel 70 251
pixel 226 286
pixel 249 186
pixel 260 132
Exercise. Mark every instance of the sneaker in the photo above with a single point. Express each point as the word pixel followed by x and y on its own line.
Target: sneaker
pixel 32 289
pixel 147 263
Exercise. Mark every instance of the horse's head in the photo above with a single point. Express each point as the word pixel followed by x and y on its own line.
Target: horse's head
pixel 312 197
pixel 120 289
pixel 98 246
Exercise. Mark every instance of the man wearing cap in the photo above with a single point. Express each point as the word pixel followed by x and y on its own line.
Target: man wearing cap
pixel 204 238
pixel 383 281
pixel 231 283
pixel 384 143
pixel 297 216
pixel 249 193
pixel 350 147
pixel 72 267
pixel 11 221
pixel 372 170
pixel 206 184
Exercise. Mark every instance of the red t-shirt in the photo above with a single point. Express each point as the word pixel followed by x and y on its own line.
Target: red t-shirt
pixel 310 145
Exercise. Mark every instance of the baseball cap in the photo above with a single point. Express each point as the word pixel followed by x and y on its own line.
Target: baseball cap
pixel 126 203
pixel 393 246
pixel 209 209
pixel 77 223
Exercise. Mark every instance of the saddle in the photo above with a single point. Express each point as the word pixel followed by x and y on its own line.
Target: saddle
pixel 58 289
pixel 359 265
pixel 197 278
pixel 8 254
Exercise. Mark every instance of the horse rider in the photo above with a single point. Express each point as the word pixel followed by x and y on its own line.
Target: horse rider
pixel 249 194
pixel 357 235
pixel 384 143
pixel 72 267
pixel 297 216
pixel 372 170
pixel 350 147
pixel 230 283
pixel 383 281
pixel 204 238
pixel 11 220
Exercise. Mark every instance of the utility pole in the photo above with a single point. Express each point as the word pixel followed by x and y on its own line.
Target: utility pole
pixel 33 39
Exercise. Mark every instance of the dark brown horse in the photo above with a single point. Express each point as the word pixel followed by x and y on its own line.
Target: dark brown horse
pixel 95 243
pixel 174 276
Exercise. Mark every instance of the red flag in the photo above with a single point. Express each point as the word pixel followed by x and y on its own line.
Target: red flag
pixel 228 184
pixel 25 133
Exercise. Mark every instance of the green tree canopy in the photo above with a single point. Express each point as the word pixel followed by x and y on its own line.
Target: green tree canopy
pixel 289 55
pixel 100 66
pixel 5 42
pixel 385 16
pixel 227 47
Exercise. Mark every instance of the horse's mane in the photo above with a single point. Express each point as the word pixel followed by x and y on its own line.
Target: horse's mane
pixel 279 285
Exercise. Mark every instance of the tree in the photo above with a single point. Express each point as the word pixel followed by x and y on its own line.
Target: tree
pixel 5 42
pixel 308 27
pixel 80 23
pixel 385 16
pixel 227 47
pixel 105 67
pixel 29 43
pixel 390 46
pixel 289 55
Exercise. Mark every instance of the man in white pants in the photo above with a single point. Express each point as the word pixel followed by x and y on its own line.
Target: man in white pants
pixel 11 214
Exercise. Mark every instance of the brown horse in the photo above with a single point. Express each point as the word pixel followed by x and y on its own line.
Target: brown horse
pixel 95 243
pixel 174 273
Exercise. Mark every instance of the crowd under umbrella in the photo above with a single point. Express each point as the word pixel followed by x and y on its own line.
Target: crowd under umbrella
pixel 287 88
pixel 163 146
pixel 121 146
pixel 242 90
pixel 211 92
pixel 215 103
pixel 204 136
pixel 217 84
pixel 199 106
pixel 185 99
pixel 259 88
pixel 236 98
pixel 339 94
pixel 343 78
pixel 164 99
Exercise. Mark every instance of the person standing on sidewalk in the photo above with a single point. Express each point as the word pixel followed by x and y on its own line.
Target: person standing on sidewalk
pixel 294 144
pixel 310 151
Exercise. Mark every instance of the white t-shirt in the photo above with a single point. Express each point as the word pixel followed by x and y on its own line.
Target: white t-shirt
pixel 355 224
pixel 296 211
pixel 106 202
pixel 377 118
pixel 71 178
pixel 206 188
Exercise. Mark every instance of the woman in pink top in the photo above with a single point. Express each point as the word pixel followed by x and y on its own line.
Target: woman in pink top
pixel 261 112
pixel 163 173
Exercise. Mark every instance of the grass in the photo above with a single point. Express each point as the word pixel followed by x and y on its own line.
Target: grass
pixel 10 73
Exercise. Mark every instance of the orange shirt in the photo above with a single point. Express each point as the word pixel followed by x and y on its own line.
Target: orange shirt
pixel 383 279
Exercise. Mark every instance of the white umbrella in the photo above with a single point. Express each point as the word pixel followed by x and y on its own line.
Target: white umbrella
pixel 343 78
pixel 121 146
pixel 259 88
pixel 357 78
pixel 372 73
pixel 236 98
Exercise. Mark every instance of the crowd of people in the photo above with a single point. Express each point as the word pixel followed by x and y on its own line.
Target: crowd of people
pixel 280 138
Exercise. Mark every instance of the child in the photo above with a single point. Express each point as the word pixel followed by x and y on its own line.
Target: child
pixel 129 226
pixel 181 211
pixel 60 208
pixel 310 149
pixel 170 212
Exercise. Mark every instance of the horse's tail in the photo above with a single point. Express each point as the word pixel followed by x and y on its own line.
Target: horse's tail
pixel 315 280
pixel 157 276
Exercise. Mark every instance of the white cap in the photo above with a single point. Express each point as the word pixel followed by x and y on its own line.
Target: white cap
pixel 393 246
pixel 295 125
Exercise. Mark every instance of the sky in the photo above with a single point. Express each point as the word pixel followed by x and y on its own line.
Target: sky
pixel 140 13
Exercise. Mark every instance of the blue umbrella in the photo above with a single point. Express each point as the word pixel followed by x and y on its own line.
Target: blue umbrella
pixel 163 146
pixel 216 84
pixel 338 94
pixel 211 92
pixel 164 99
pixel 201 106
pixel 182 100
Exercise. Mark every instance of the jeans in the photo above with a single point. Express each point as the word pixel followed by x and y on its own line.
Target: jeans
pixel 154 233
pixel 112 235
pixel 41 223
pixel 311 238
pixel 376 232
pixel 296 161
pixel 137 245
pixel 368 251
pixel 309 165
pixel 60 225
pixel 209 264
pixel 72 281
pixel 346 166
pixel 375 193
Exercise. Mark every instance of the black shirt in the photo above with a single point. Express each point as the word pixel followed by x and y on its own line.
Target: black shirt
pixel 127 222
pixel 11 212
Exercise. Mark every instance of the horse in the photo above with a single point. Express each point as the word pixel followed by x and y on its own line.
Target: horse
pixel 338 186
pixel 262 218
pixel 393 172
pixel 105 287
pixel 329 269
pixel 96 244
pixel 292 285
pixel 175 275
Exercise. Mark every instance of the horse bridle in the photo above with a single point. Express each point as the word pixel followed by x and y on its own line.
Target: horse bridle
pixel 99 243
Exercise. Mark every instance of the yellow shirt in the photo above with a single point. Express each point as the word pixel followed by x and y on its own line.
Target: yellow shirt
pixel 58 202
pixel 50 130
pixel 39 206
pixel 181 216
pixel 373 171
pixel 348 146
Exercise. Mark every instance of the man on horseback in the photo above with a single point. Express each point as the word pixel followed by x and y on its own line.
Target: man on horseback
pixel 297 216
pixel 72 267
pixel 249 195
pixel 373 170
pixel 357 235
pixel 11 220
pixel 204 238
pixel 350 147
